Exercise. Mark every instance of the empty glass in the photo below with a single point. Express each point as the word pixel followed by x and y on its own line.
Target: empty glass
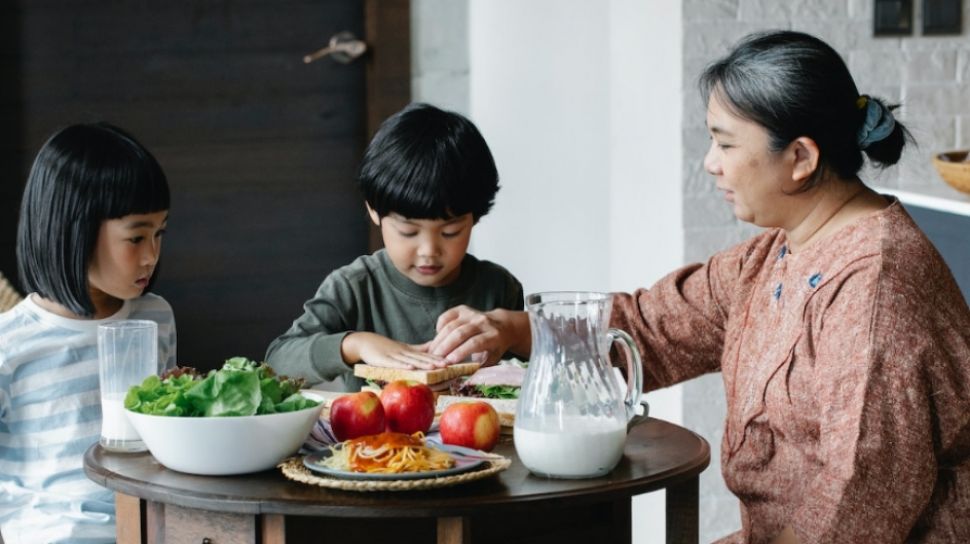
pixel 127 354
pixel 572 417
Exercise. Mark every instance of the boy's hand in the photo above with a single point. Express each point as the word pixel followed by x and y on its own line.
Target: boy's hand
pixel 378 350
pixel 465 332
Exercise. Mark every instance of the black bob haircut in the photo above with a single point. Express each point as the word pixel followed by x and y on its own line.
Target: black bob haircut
pixel 794 85
pixel 83 175
pixel 426 163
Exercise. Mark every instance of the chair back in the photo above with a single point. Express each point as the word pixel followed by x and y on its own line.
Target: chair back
pixel 9 297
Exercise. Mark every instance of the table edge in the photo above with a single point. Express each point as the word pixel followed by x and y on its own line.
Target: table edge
pixel 157 493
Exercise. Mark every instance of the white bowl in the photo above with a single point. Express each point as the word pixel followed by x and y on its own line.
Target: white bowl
pixel 216 446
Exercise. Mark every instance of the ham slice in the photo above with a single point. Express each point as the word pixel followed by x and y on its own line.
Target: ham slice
pixel 497 375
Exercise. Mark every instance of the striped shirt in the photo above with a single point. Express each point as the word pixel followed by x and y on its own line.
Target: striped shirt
pixel 50 413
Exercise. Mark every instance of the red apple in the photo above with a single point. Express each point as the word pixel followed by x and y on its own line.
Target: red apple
pixel 356 414
pixel 470 424
pixel 408 406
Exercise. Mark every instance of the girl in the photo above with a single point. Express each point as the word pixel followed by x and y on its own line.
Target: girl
pixel 91 223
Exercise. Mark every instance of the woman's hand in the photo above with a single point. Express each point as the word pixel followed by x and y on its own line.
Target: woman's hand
pixel 464 332
pixel 377 350
pixel 786 537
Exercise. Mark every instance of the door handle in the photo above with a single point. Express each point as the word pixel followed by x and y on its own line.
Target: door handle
pixel 344 47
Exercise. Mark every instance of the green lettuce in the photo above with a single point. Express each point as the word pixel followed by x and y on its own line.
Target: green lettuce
pixel 498 391
pixel 240 388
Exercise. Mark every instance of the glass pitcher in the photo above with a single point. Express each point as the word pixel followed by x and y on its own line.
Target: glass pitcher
pixel 573 410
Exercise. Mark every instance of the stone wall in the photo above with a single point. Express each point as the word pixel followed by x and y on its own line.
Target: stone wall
pixel 929 76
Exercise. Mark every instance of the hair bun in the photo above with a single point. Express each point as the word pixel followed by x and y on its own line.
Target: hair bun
pixel 878 123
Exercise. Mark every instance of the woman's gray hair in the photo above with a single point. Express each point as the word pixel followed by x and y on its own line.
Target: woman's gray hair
pixel 795 85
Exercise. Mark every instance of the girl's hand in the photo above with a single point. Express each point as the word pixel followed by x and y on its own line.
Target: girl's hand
pixel 377 350
pixel 464 333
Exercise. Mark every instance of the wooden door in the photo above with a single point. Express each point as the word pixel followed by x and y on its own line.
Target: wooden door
pixel 260 149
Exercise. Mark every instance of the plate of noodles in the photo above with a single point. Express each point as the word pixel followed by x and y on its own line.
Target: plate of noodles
pixel 392 456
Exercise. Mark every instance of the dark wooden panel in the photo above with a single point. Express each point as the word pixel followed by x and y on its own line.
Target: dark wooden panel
pixel 389 70
pixel 261 151
pixel 949 233
pixel 191 27
pixel 307 530
pixel 566 524
pixel 12 168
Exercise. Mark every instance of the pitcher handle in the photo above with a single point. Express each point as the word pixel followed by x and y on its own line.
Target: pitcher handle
pixel 634 375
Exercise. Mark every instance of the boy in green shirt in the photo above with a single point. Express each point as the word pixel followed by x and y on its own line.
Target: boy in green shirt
pixel 427 178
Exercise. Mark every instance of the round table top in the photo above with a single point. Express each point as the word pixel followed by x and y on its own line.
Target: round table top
pixel 657 454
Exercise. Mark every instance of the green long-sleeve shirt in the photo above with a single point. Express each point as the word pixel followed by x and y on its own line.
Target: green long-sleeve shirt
pixel 371 295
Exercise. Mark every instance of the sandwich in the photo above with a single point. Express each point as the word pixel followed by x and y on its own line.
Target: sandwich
pixel 502 381
pixel 497 385
pixel 440 380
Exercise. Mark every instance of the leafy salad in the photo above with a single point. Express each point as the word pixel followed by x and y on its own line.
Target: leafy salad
pixel 240 388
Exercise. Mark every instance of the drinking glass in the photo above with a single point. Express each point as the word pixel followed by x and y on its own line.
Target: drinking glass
pixel 127 354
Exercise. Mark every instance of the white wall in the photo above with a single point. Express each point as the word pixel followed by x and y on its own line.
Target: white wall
pixel 580 103
pixel 539 91
pixel 645 92
pixel 581 108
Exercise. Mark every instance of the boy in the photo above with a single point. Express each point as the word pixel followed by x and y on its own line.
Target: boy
pixel 427 178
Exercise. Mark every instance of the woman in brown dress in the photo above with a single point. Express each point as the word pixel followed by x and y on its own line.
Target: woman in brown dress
pixel 841 335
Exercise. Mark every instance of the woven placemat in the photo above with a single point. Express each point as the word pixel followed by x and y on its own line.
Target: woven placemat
pixel 294 469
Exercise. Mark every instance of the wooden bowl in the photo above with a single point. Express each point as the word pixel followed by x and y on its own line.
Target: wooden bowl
pixel 954 168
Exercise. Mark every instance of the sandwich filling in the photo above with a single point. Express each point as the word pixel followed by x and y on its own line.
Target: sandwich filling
pixel 494 382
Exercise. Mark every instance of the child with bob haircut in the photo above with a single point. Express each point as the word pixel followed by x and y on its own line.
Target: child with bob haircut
pixel 91 222
pixel 427 178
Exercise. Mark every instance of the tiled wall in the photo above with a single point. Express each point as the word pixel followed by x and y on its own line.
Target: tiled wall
pixel 930 76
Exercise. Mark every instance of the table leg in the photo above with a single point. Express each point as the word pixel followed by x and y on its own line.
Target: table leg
pixel 682 512
pixel 129 519
pixel 622 529
pixel 273 529
pixel 455 530
pixel 154 522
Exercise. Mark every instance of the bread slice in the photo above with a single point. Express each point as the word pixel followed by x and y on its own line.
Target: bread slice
pixel 429 377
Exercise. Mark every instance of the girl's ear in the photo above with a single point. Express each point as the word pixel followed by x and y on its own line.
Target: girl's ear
pixel 373 215
pixel 806 155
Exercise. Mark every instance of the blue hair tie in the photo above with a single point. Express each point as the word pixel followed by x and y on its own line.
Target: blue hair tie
pixel 879 123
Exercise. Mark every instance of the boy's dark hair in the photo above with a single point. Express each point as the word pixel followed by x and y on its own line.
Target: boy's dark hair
pixel 794 85
pixel 83 175
pixel 425 163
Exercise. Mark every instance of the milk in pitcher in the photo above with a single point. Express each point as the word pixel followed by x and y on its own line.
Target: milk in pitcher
pixel 589 448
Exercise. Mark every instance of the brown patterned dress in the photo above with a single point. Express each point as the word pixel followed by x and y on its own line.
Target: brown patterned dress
pixel 847 373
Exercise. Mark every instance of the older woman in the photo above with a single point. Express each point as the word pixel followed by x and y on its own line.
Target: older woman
pixel 843 340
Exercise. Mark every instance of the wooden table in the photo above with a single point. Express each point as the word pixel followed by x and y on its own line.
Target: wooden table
pixel 160 506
